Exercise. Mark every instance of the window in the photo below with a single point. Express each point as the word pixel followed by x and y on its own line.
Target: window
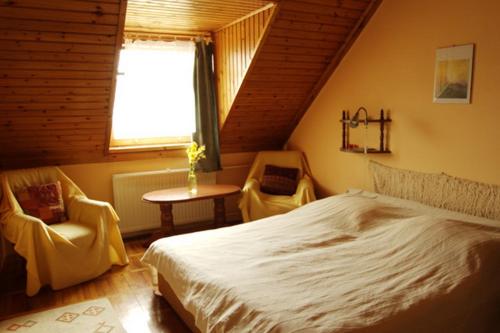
pixel 154 97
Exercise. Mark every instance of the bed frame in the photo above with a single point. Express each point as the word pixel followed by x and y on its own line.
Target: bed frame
pixel 169 295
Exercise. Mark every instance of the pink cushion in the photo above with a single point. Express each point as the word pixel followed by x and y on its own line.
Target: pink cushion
pixel 44 202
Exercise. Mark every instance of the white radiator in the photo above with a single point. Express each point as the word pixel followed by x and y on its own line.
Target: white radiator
pixel 136 215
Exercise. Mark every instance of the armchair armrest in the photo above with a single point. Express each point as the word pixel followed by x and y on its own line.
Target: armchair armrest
pixel 16 224
pixel 103 217
pixel 88 211
pixel 305 191
pixel 251 184
pixel 31 236
pixel 251 188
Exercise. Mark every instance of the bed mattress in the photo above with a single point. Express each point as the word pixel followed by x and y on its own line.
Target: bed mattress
pixel 357 262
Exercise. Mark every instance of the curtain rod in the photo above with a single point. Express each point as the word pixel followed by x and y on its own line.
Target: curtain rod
pixel 163 36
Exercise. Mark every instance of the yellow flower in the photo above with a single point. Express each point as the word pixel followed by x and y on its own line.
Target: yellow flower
pixel 195 153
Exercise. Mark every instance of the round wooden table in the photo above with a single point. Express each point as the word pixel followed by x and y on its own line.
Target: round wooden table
pixel 166 198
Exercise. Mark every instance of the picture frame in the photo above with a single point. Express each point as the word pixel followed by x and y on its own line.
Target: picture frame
pixel 453 74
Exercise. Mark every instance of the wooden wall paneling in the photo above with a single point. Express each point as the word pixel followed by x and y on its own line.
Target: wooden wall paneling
pixel 59 27
pixel 58 61
pixel 56 83
pixel 101 98
pixel 56 72
pixel 303 44
pixel 36 92
pixel 68 58
pixel 56 37
pixel 236 45
pixel 69 5
pixel 307 35
pixel 332 8
pixel 89 17
pixel 27 135
pixel 321 18
pixel 368 11
pixel 53 74
pixel 40 46
pixel 55 65
pixel 61 108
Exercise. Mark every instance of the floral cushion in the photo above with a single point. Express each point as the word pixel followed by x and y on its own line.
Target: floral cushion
pixel 44 202
pixel 279 181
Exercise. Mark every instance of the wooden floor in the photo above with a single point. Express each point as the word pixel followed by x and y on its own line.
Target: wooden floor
pixel 128 288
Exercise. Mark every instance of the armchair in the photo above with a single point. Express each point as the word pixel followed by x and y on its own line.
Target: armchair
pixel 255 204
pixel 61 254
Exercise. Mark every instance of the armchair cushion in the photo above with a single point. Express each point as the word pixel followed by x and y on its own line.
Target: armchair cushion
pixel 255 204
pixel 43 201
pixel 77 233
pixel 279 181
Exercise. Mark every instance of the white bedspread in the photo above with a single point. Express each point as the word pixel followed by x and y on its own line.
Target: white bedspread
pixel 348 263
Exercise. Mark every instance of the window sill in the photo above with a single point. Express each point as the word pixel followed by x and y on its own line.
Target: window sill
pixel 148 148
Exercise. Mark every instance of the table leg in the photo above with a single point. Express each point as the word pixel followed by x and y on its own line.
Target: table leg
pixel 219 212
pixel 167 224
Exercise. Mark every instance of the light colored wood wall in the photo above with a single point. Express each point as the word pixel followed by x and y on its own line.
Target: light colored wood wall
pixel 235 47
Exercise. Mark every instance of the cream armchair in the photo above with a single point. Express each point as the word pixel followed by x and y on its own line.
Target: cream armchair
pixel 66 253
pixel 255 204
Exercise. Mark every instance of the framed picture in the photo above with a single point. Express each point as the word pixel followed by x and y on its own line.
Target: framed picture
pixel 453 74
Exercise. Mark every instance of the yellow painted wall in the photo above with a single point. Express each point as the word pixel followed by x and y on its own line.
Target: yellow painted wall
pixel 391 66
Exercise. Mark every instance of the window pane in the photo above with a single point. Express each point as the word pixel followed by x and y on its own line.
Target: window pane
pixel 154 95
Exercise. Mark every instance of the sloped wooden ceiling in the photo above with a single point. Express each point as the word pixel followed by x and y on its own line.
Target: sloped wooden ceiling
pixel 304 43
pixel 57 63
pixel 56 69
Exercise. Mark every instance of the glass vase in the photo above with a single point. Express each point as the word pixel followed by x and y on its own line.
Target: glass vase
pixel 192 182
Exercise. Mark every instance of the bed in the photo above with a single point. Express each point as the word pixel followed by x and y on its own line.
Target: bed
pixel 356 262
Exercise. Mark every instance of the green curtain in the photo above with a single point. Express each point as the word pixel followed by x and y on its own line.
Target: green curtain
pixel 207 118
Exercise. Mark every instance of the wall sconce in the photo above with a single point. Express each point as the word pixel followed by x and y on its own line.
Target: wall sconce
pixel 354 122
pixel 355 119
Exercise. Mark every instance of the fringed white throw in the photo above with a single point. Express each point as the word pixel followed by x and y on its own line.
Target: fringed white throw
pixel 438 190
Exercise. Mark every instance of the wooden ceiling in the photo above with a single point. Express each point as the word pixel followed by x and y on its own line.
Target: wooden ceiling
pixel 58 59
pixel 303 44
pixel 186 15
pixel 57 63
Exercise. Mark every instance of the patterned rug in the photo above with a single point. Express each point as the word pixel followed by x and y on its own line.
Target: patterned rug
pixel 96 316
